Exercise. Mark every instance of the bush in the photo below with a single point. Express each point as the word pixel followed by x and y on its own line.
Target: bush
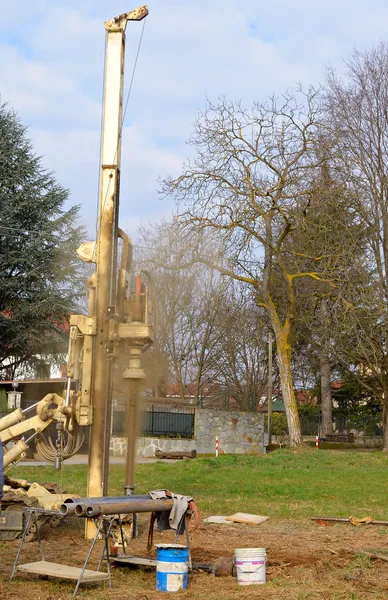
pixel 279 423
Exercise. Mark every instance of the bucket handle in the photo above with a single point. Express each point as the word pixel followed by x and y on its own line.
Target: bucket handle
pixel 234 560
pixel 254 570
pixel 251 572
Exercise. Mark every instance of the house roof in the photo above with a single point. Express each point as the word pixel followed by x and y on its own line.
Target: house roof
pixel 277 406
pixel 189 390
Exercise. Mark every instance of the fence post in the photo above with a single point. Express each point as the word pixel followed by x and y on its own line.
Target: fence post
pixel 269 391
pixel 196 418
pixel 216 446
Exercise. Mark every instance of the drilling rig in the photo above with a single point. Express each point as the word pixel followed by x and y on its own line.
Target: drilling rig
pixel 118 322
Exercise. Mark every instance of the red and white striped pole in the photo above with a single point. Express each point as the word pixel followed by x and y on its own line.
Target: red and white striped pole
pixel 216 446
pixel 316 442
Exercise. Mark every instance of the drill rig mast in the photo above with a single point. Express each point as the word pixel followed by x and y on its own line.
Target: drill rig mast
pixel 117 322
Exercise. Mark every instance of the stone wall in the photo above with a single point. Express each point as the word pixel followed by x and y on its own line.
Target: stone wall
pixel 238 433
pixel 369 441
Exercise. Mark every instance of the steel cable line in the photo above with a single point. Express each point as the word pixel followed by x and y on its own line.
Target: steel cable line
pixel 122 122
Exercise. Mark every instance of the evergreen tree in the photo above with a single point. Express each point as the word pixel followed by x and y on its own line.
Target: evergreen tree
pixel 39 271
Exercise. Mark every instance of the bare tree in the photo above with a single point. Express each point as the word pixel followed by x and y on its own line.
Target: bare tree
pixel 242 348
pixel 250 184
pixel 188 300
pixel 206 333
pixel 357 108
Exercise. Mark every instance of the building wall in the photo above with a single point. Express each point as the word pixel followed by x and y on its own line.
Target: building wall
pixel 238 433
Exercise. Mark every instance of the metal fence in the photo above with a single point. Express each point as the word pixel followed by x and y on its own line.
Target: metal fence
pixel 159 421
pixel 170 424
pixel 370 426
pixel 310 424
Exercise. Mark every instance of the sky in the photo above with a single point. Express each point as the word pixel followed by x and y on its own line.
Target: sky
pixel 51 71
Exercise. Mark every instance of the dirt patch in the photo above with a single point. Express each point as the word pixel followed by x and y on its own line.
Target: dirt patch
pixel 305 561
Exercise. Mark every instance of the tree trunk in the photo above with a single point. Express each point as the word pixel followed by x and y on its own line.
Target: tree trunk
pixel 385 429
pixel 385 417
pixel 287 386
pixel 326 398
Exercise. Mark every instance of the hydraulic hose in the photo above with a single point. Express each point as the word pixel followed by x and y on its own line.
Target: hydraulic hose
pixel 47 450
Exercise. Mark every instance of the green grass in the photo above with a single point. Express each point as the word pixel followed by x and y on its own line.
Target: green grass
pixel 282 484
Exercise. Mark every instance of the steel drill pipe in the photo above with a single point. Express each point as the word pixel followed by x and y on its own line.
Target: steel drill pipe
pixel 109 499
pixel 67 510
pixel 68 507
pixel 127 507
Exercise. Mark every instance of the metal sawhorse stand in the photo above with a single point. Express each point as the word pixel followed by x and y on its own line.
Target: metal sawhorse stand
pixel 186 518
pixel 130 559
pixel 50 569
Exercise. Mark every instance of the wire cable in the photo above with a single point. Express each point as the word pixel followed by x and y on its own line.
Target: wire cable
pixel 122 119
pixel 20 230
pixel 100 145
pixel 133 72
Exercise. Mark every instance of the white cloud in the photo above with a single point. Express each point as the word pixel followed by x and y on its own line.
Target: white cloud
pixel 52 64
pixel 42 92
pixel 142 163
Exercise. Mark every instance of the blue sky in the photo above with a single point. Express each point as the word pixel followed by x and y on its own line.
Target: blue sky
pixel 52 62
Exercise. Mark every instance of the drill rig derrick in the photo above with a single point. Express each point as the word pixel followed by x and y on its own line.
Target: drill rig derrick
pixel 118 320
pixel 130 333
pixel 117 323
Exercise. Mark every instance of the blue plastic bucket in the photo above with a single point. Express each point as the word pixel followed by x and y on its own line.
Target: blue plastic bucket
pixel 171 567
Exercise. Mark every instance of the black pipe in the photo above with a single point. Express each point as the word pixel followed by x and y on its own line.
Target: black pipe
pixel 104 499
pixel 67 509
pixel 131 505
pixel 68 506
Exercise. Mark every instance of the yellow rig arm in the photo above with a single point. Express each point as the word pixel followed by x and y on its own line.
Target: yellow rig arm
pixel 51 408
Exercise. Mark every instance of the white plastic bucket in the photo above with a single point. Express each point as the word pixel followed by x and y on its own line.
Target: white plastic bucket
pixel 250 565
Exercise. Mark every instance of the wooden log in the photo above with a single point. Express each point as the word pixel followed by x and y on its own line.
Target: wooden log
pixel 346 520
pixel 223 566
pixel 373 556
pixel 175 455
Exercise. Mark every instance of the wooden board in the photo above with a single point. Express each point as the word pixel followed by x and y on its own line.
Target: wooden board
pixel 247 518
pixel 50 569
pixel 216 520
pixel 134 560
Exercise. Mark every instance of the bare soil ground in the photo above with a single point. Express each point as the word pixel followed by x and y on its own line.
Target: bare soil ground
pixel 305 561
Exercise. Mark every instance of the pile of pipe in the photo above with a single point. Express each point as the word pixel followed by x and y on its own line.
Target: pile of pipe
pixel 112 505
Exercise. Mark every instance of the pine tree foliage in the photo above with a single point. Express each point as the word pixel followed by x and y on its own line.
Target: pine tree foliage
pixel 39 271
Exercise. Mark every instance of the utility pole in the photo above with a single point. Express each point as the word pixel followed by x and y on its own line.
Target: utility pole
pixel 105 293
pixel 269 392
